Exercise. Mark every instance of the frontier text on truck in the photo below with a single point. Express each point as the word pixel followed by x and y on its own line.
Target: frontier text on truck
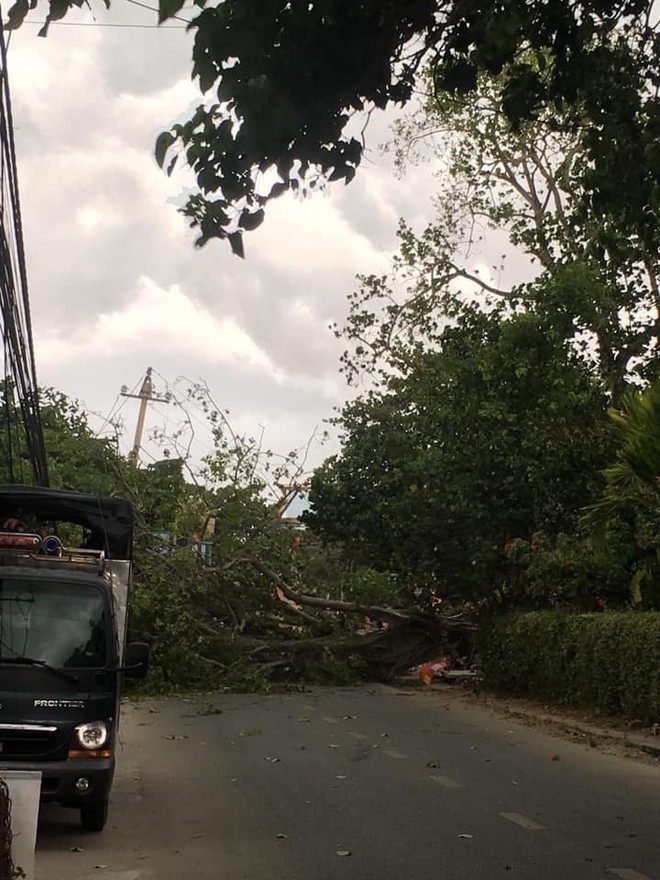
pixel 65 577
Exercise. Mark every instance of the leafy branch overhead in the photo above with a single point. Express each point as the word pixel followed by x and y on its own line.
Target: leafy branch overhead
pixel 285 79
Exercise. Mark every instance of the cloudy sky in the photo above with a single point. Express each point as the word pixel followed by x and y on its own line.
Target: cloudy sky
pixel 115 283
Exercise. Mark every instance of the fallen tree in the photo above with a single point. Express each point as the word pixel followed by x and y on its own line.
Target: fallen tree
pixel 399 638
pixel 245 625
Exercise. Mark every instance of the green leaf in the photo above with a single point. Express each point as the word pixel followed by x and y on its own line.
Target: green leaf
pixel 204 69
pixel 163 142
pixel 236 243
pixel 168 8
pixel 460 76
pixel 277 189
pixel 251 219
pixel 16 14
pixel 58 9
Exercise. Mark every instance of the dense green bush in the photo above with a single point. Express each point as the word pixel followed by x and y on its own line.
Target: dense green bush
pixel 565 572
pixel 609 661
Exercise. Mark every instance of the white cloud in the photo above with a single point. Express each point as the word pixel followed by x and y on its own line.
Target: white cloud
pixel 167 320
pixel 313 237
pixel 115 283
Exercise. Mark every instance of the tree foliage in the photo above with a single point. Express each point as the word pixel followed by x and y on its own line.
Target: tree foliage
pixel 285 80
pixel 497 434
pixel 598 278
pixel 628 512
pixel 77 459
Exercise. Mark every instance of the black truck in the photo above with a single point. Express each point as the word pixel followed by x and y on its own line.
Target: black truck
pixel 65 578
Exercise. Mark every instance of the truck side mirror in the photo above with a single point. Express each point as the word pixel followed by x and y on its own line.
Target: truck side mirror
pixel 136 660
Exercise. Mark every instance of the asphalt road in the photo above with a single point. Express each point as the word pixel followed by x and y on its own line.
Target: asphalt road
pixel 368 784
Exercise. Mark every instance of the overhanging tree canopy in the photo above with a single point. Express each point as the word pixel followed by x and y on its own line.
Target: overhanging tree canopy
pixel 286 77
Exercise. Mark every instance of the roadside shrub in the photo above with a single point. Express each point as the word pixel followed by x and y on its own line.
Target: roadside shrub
pixel 609 662
pixel 564 572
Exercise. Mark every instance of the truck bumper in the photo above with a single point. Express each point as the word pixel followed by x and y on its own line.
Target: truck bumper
pixel 59 778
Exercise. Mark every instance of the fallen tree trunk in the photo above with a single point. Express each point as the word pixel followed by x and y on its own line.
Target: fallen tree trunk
pixel 384 654
pixel 407 638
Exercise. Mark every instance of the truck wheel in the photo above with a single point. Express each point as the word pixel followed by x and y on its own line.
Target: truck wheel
pixel 93 816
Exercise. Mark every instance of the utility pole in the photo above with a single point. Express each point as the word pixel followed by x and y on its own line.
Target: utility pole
pixel 145 395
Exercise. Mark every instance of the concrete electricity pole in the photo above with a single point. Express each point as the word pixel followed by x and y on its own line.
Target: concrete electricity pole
pixel 145 395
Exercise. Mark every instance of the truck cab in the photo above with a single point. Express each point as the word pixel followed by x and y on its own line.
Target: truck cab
pixel 63 652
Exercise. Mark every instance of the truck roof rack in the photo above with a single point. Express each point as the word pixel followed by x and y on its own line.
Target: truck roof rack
pixel 21 548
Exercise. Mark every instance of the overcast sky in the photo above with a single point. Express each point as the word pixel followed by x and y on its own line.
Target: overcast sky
pixel 115 283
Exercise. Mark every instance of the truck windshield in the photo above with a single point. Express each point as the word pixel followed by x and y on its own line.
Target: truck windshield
pixel 63 625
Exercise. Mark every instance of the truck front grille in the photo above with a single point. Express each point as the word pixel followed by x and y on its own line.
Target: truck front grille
pixel 31 742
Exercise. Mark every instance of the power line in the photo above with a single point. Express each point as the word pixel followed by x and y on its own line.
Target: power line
pixel 20 367
pixel 107 24
pixel 156 10
pixel 115 410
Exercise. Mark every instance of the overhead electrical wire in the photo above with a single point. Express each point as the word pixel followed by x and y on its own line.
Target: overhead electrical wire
pixel 108 24
pixel 115 24
pixel 156 10
pixel 20 367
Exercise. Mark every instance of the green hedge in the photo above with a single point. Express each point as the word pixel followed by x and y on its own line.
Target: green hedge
pixel 608 661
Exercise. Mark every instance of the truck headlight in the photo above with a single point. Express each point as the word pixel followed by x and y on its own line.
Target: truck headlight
pixel 92 734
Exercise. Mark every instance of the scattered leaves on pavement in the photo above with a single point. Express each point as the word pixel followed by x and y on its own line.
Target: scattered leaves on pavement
pixel 250 731
pixel 344 852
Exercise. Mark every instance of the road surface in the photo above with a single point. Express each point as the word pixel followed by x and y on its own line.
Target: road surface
pixel 366 784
